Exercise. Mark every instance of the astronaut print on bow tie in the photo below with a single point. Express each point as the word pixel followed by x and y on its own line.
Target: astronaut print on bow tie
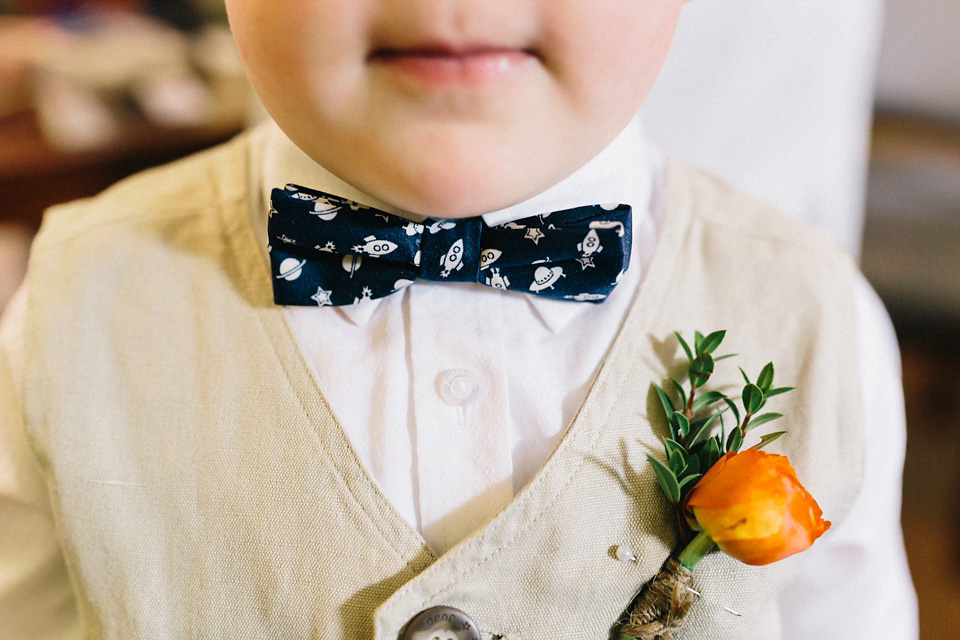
pixel 326 250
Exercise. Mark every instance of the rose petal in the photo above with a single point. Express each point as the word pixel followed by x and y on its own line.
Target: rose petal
pixel 755 509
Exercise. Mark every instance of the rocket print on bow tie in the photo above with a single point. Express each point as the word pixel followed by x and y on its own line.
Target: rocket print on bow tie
pixel 330 251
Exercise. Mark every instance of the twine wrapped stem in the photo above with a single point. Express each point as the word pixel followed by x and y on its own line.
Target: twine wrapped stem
pixel 662 605
pixel 665 601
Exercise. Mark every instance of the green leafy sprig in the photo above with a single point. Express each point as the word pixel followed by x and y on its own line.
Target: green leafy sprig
pixel 690 448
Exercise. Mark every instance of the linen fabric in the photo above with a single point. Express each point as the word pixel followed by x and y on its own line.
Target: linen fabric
pixel 211 518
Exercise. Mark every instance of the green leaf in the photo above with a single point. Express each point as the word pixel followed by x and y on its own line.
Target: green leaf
pixel 668 409
pixel 709 455
pixel 693 466
pixel 683 394
pixel 686 347
pixel 763 418
pixel 695 448
pixel 706 399
pixel 678 460
pixel 711 342
pixel 697 341
pixel 733 407
pixel 689 480
pixel 765 379
pixel 767 439
pixel 744 374
pixel 672 445
pixel 698 427
pixel 777 391
pixel 681 424
pixel 752 398
pixel 701 369
pixel 735 440
pixel 723 357
pixel 668 481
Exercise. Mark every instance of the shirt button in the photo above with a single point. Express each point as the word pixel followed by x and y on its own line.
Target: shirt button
pixel 459 387
pixel 441 623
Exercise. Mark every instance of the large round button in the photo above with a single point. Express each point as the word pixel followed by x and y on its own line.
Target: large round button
pixel 441 623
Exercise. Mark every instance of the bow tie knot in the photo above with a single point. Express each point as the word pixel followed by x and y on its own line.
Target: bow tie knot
pixel 450 250
pixel 326 250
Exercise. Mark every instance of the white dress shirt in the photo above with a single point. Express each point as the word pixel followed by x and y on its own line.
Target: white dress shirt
pixel 454 395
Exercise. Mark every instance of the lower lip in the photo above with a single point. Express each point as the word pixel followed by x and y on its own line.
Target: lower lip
pixel 470 69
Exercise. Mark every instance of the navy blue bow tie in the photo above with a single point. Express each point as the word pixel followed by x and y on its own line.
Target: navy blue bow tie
pixel 326 250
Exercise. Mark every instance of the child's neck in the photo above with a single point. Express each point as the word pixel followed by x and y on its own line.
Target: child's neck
pixel 621 173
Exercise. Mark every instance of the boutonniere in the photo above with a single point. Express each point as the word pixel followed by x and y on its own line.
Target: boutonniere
pixel 749 503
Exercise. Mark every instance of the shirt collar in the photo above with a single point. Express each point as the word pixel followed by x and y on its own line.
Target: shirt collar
pixel 620 174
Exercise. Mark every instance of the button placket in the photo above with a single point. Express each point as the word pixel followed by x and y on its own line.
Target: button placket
pixel 460 401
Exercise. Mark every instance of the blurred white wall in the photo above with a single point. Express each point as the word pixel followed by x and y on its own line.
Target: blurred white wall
pixel 920 59
pixel 776 96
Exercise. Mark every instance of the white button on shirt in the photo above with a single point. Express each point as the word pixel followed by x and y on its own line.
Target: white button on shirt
pixel 458 387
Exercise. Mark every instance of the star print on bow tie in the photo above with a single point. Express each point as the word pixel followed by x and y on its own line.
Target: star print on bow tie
pixel 330 251
pixel 533 234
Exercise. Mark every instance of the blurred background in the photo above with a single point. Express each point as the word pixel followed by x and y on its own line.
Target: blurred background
pixel 844 113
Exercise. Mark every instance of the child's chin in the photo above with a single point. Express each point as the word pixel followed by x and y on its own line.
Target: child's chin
pixel 447 201
pixel 460 197
pixel 456 187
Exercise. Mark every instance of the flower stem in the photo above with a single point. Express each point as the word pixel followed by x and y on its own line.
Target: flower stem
pixel 694 552
pixel 688 411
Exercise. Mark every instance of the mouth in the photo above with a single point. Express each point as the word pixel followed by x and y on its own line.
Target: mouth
pixel 439 64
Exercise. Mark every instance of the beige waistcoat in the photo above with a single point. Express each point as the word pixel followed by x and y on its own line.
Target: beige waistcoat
pixel 204 489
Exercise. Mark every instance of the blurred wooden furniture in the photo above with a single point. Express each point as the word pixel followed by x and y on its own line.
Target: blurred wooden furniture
pixel 34 175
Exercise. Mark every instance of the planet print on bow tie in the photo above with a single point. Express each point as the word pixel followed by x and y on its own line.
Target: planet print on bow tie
pixel 324 209
pixel 291 268
pixel 546 277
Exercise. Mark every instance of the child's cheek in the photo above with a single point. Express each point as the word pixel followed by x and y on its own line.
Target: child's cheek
pixel 608 50
pixel 300 54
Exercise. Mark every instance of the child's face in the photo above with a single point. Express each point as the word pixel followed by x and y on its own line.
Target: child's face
pixel 453 107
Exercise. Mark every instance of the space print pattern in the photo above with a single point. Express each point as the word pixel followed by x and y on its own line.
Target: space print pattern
pixel 326 250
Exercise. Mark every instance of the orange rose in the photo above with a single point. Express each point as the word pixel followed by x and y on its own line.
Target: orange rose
pixel 755 509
